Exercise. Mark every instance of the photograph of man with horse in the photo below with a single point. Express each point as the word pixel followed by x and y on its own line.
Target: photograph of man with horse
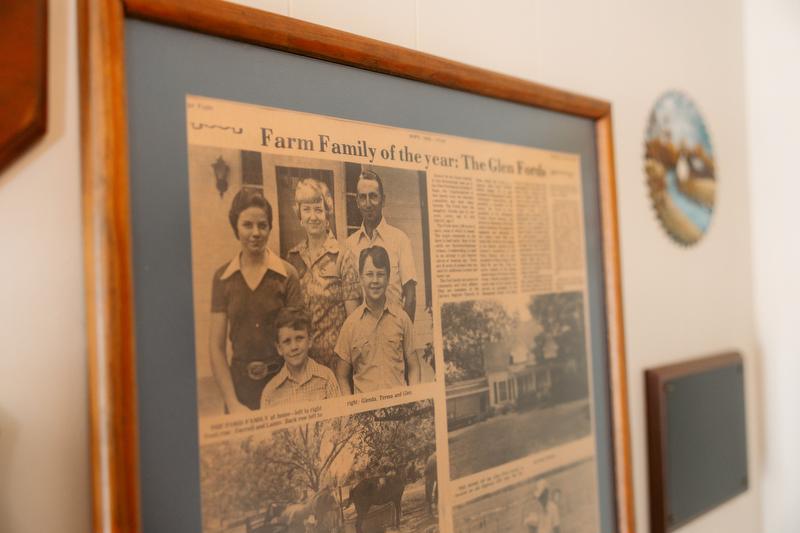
pixel 370 472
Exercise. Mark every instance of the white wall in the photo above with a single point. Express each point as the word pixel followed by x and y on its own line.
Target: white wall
pixel 44 472
pixel 678 302
pixel 772 55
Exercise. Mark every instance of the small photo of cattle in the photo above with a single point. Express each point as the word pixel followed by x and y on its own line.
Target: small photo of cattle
pixel 516 376
pixel 372 472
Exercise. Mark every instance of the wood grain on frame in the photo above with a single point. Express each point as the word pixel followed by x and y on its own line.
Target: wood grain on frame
pixel 107 218
pixel 291 35
pixel 107 255
pixel 618 373
pixel 23 75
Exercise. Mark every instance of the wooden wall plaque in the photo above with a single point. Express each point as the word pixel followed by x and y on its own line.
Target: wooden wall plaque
pixel 23 71
pixel 697 438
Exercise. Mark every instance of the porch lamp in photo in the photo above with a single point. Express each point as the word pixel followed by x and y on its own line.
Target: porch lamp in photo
pixel 221 171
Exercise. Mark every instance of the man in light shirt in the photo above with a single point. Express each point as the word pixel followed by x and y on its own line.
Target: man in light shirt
pixel 544 515
pixel 375 231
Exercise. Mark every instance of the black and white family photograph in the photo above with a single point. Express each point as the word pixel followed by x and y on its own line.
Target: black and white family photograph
pixel 516 375
pixel 372 472
pixel 311 279
pixel 563 501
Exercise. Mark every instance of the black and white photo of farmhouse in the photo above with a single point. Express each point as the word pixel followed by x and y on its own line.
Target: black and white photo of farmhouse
pixel 371 472
pixel 516 375
pixel 560 501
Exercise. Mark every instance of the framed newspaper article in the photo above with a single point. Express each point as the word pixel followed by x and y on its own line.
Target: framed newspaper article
pixel 334 285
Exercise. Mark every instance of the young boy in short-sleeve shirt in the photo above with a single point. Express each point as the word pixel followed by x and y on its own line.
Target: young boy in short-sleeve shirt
pixel 376 342
pixel 301 378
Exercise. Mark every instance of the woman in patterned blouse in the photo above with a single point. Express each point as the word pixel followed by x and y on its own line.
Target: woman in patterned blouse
pixel 327 270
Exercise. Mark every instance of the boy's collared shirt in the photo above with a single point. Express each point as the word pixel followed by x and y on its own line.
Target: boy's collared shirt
pixel 316 383
pixel 376 346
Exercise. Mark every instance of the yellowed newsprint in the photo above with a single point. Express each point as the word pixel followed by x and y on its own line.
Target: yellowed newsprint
pixel 391 328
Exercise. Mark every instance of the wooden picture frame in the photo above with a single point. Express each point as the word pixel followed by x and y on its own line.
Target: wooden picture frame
pixel 108 225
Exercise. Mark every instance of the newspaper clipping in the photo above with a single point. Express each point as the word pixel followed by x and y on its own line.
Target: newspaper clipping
pixel 391 328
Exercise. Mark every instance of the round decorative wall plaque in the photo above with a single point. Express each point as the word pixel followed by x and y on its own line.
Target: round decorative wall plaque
pixel 680 170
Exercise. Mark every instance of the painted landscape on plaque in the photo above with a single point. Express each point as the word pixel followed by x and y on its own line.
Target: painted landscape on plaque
pixel 680 169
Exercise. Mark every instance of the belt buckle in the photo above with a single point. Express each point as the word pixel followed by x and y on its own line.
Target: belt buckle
pixel 258 370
